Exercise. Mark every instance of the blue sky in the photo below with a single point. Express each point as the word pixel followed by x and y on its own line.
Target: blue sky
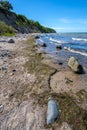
pixel 62 15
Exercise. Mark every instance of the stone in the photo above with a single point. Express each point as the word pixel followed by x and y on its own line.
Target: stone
pixel 52 111
pixel 11 41
pixel 60 62
pixel 43 45
pixel 1 108
pixel 14 70
pixel 4 68
pixel 37 37
pixel 59 47
pixel 75 66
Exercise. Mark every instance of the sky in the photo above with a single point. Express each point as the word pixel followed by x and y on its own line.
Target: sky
pixel 62 15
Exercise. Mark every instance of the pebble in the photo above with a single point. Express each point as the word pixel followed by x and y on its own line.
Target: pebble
pixel 1 108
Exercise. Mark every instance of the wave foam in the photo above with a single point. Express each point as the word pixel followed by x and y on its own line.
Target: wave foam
pixel 74 51
pixel 40 40
pixel 57 41
pixel 79 39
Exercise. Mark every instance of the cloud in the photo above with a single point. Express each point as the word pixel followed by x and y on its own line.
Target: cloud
pixel 76 21
pixel 58 28
pixel 65 20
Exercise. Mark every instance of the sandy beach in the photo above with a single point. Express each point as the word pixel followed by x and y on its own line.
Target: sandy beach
pixel 27 78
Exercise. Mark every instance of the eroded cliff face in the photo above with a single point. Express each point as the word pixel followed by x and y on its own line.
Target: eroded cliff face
pixel 18 24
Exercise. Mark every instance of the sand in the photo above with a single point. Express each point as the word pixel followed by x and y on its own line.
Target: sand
pixel 27 78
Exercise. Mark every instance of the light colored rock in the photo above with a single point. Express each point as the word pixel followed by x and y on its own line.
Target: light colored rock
pixel 52 111
pixel 74 65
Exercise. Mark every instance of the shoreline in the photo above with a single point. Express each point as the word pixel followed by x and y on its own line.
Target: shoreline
pixel 28 81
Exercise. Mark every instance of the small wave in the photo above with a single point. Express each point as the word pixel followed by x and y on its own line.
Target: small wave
pixel 40 40
pixel 74 51
pixel 57 41
pixel 79 39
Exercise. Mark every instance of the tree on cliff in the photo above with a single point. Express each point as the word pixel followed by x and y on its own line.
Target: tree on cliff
pixel 6 5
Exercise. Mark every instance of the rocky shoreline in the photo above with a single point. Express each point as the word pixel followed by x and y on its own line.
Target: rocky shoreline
pixel 27 78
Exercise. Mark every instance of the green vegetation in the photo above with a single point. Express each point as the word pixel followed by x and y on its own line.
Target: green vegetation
pixel 5 5
pixel 22 21
pixel 19 22
pixel 6 30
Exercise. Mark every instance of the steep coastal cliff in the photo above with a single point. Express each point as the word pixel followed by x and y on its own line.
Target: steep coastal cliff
pixel 21 24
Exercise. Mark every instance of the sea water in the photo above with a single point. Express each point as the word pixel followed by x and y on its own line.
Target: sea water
pixel 73 44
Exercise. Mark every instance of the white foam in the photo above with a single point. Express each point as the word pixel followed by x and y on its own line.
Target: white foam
pixel 57 41
pixel 74 51
pixel 79 39
pixel 40 40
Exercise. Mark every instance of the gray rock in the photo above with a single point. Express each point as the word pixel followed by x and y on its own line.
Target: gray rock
pixel 75 66
pixel 52 112
pixel 11 41
pixel 4 68
pixel 1 108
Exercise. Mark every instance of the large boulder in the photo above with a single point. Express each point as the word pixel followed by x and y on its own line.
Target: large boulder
pixel 75 66
pixel 52 111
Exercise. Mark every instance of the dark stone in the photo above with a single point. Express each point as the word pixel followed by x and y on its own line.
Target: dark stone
pixel 60 63
pixel 59 47
pixel 14 70
pixel 37 37
pixel 43 45
pixel 11 41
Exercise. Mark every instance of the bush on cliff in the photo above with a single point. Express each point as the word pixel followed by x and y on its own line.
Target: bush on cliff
pixel 5 29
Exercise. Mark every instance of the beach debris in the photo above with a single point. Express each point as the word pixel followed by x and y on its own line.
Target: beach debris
pixel 1 108
pixel 59 47
pixel 52 111
pixel 11 41
pixel 75 66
